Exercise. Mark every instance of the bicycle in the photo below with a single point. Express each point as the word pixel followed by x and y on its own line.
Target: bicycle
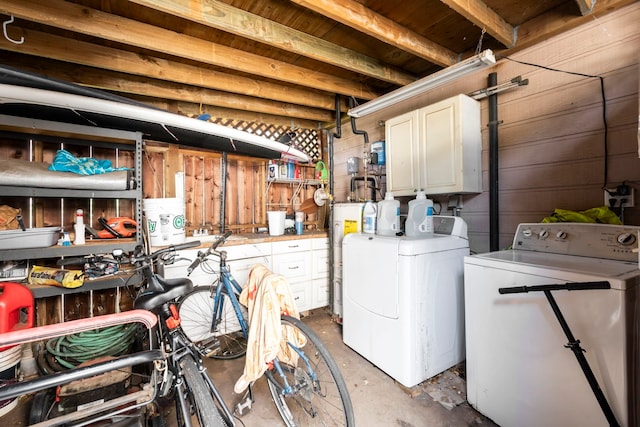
pixel 168 364
pixel 310 392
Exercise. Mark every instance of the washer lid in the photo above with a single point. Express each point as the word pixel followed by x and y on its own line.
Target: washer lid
pixel 619 273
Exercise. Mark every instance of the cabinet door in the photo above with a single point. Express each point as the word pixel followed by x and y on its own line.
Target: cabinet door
pixel 403 157
pixel 451 143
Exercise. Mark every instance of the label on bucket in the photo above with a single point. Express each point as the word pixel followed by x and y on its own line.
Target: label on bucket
pixel 165 221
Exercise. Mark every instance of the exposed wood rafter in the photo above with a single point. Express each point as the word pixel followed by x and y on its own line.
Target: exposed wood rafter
pixel 224 17
pixel 95 23
pixel 365 20
pixel 277 60
pixel 480 14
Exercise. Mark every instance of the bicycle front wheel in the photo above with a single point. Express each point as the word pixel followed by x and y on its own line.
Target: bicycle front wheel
pixel 202 406
pixel 311 392
pixel 219 339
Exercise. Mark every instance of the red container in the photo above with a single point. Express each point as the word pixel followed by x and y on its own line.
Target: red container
pixel 16 307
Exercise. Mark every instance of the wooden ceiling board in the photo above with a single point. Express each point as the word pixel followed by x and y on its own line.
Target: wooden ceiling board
pixel 433 20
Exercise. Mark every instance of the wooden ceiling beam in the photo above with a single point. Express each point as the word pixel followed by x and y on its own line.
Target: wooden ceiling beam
pixel 221 16
pixel 365 20
pixel 552 23
pixel 84 20
pixel 485 18
pixel 77 52
pixel 194 110
pixel 128 84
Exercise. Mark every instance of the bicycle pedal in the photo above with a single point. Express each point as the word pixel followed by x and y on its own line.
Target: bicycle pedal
pixel 243 405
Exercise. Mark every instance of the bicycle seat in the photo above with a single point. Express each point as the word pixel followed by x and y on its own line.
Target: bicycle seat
pixel 171 290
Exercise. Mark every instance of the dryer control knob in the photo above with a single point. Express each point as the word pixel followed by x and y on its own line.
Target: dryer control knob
pixel 561 235
pixel 543 234
pixel 626 239
pixel 527 232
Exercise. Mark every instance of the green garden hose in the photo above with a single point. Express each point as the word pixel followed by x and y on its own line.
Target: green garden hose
pixel 71 350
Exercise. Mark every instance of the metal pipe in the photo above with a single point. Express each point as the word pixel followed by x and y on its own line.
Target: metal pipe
pixel 365 179
pixel 337 134
pixel 223 190
pixel 494 208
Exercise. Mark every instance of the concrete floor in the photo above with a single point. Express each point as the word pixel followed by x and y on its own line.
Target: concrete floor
pixel 377 399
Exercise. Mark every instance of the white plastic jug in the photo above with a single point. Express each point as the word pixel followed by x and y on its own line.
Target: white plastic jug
pixel 388 216
pixel 369 217
pixel 420 217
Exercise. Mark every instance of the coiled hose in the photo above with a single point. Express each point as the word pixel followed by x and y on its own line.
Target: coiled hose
pixel 71 350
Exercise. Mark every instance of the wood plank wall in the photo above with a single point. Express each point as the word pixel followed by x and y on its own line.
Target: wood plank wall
pixel 551 136
pixel 248 196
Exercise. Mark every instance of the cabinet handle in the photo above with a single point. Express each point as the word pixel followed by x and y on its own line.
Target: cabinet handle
pixel 294 268
pixel 294 246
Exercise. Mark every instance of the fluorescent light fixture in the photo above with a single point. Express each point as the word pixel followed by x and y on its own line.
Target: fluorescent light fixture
pixel 445 75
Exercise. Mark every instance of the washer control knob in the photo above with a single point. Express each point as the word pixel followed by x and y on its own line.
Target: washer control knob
pixel 561 235
pixel 527 232
pixel 543 234
pixel 626 239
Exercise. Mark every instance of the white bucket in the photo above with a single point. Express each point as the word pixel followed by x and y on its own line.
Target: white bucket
pixel 165 221
pixel 276 222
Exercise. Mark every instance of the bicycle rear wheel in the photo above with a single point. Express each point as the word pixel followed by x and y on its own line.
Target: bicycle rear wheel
pixel 316 394
pixel 227 341
pixel 202 404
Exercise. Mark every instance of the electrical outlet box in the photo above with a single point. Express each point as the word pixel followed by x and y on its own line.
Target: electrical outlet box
pixel 614 200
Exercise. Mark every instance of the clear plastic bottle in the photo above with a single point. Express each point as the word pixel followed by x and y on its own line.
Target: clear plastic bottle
pixel 420 217
pixel 369 216
pixel 388 216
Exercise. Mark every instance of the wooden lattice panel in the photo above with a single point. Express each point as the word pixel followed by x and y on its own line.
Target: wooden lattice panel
pixel 305 140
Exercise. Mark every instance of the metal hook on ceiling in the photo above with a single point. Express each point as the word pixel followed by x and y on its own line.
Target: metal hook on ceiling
pixel 6 35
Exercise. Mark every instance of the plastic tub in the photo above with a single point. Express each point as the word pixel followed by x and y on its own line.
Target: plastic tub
pixel 29 238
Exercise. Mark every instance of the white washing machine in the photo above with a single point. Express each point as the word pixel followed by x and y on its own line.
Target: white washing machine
pixel 519 372
pixel 403 307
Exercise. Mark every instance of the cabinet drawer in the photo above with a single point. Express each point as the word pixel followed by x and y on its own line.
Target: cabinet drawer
pixel 320 243
pixel 240 268
pixel 247 251
pixel 295 266
pixel 288 246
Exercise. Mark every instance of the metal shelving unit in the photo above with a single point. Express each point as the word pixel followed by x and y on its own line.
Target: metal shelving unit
pixel 78 134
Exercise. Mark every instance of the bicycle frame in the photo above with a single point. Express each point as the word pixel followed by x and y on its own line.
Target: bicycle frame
pixel 229 286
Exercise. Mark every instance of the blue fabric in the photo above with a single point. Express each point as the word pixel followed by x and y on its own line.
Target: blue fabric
pixel 64 161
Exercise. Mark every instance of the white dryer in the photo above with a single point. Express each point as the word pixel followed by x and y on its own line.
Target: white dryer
pixel 519 372
pixel 403 306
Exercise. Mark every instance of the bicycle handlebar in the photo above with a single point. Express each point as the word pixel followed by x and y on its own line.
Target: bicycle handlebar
pixel 578 286
pixel 154 255
pixel 203 254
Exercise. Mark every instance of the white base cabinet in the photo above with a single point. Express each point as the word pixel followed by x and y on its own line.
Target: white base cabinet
pixel 304 262
pixel 320 272
pixel 435 149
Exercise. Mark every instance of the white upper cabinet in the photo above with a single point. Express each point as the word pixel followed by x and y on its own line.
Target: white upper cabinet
pixel 436 149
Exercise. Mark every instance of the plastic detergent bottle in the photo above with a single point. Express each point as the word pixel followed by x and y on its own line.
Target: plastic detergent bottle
pixel 420 218
pixel 388 216
pixel 369 216
pixel 79 228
